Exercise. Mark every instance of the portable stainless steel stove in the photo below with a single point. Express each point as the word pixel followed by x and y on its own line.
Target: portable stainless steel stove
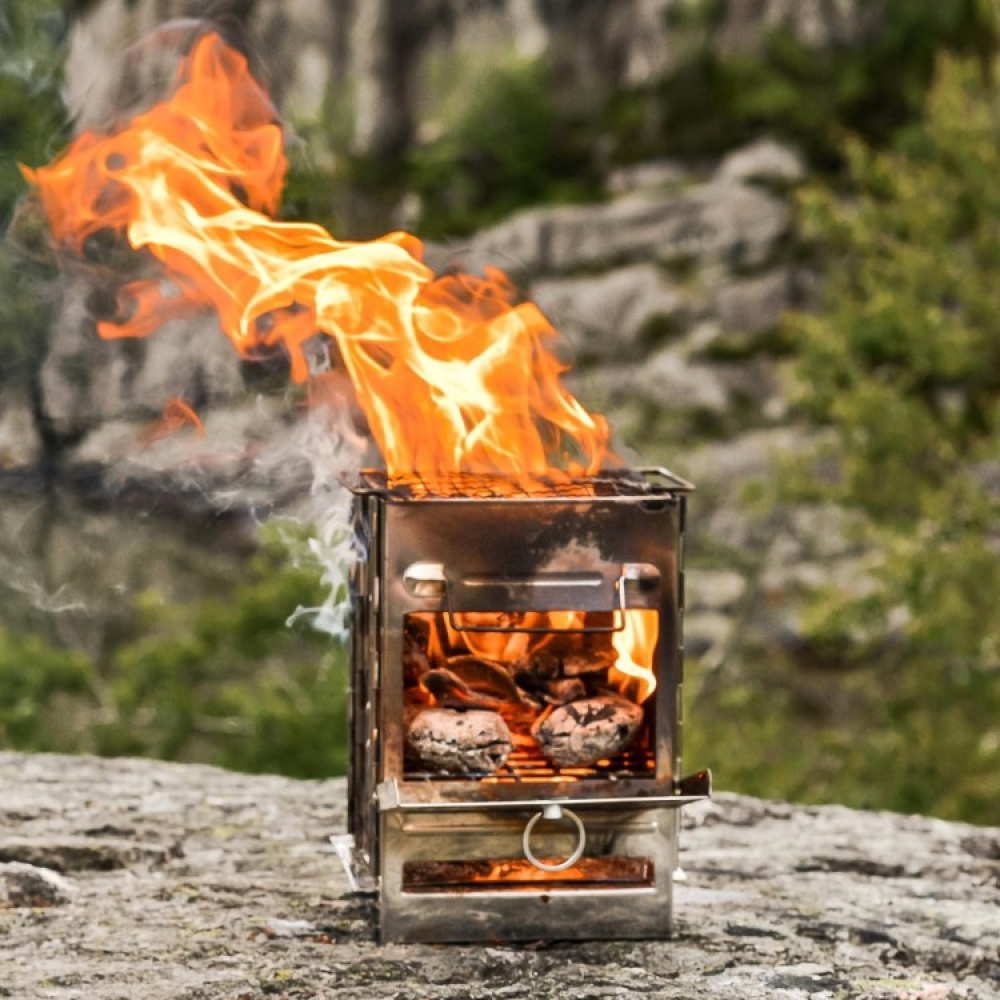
pixel 516 706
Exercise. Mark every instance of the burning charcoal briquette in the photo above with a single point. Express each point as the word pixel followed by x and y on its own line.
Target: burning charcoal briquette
pixel 587 662
pixel 567 689
pixel 451 691
pixel 452 742
pixel 484 677
pixel 583 732
pixel 534 672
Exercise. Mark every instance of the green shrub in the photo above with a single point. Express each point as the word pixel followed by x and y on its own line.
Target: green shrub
pixel 893 697
pixel 513 143
pixel 904 360
pixel 808 96
pixel 32 128
pixel 225 680
pixel 32 122
pixel 44 690
pixel 230 681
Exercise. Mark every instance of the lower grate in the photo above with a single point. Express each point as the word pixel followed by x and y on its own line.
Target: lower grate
pixel 523 766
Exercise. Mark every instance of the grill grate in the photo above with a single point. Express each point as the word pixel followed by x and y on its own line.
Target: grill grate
pixel 465 486
pixel 526 767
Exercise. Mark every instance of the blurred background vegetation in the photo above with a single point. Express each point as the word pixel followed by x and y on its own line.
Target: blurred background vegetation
pixel 892 696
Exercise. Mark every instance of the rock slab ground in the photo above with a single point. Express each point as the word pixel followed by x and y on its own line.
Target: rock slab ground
pixel 140 879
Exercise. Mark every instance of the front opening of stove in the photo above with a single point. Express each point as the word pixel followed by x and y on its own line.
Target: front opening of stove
pixel 516 723
pixel 530 697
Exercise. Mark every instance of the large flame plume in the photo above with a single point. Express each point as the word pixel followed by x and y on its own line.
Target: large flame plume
pixel 453 373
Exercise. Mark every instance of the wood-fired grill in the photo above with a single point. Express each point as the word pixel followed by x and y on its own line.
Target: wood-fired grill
pixel 516 682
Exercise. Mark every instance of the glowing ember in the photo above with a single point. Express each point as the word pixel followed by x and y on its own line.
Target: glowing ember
pixel 452 373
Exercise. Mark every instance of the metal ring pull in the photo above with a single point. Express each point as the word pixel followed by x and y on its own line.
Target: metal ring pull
pixel 557 813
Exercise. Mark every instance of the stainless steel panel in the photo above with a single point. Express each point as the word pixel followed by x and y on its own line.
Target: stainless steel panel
pixel 524 915
pixel 514 554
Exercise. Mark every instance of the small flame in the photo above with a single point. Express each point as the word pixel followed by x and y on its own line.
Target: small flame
pixel 502 646
pixel 532 631
pixel 566 621
pixel 635 645
pixel 176 415
pixel 453 374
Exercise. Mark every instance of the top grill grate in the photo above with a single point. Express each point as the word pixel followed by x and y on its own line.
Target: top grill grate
pixel 643 482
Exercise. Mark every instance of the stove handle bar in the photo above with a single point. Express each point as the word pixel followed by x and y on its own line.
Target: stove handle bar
pixel 653 472
pixel 540 592
pixel 571 592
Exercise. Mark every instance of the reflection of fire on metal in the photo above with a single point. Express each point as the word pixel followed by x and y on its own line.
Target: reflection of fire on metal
pixel 516 614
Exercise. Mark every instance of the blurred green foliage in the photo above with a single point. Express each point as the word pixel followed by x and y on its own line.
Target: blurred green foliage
pixel 38 683
pixel 506 140
pixel 514 140
pixel 32 129
pixel 32 120
pixel 225 681
pixel 518 136
pixel 904 360
pixel 893 697
pixel 809 96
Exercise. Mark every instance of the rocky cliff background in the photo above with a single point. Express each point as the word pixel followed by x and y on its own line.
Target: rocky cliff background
pixel 653 174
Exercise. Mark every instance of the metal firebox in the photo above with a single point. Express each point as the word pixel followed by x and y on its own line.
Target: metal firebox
pixel 511 778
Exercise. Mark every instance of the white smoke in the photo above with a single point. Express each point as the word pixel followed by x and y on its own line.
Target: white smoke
pixel 335 451
pixel 40 597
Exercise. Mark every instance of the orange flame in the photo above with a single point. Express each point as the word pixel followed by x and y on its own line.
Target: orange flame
pixel 453 374
pixel 532 631
pixel 635 645
pixel 176 414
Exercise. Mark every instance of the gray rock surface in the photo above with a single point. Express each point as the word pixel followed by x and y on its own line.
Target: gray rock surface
pixel 754 305
pixel 182 881
pixel 764 161
pixel 653 175
pixel 248 457
pixel 85 380
pixel 24 885
pixel 673 383
pixel 605 316
pixel 746 24
pixel 730 222
pixel 20 440
pixel 713 590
